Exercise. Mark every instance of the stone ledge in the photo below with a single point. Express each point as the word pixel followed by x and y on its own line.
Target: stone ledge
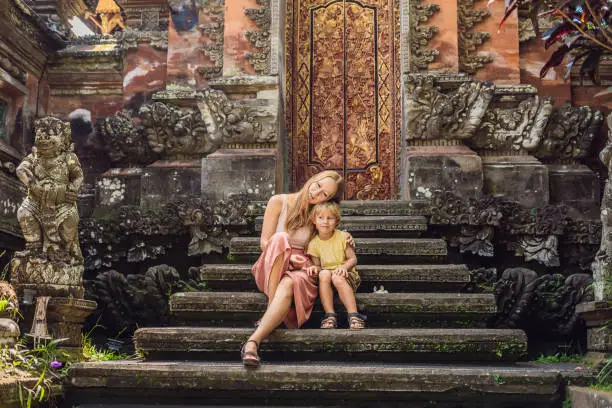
pixel 393 345
pixel 400 309
pixel 432 278
pixel 415 247
pixel 361 384
pixel 411 224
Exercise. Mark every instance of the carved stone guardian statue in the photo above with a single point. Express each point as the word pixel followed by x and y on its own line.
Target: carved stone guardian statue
pixel 51 263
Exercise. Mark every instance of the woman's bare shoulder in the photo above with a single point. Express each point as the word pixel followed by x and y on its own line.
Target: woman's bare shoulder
pixel 275 203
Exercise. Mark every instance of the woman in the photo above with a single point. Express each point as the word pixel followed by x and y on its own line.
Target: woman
pixel 285 232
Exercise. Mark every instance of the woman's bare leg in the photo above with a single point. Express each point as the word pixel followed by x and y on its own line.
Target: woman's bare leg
pixel 326 292
pixel 345 291
pixel 273 281
pixel 275 313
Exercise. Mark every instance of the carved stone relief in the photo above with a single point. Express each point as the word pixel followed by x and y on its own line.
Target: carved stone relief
pixel 469 41
pixel 164 130
pixel 260 38
pixel 420 56
pixel 514 129
pixel 569 134
pixel 434 114
pixel 212 30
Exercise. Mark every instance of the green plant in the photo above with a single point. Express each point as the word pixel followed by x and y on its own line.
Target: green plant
pixel 7 306
pixel 560 358
pixel 37 362
pixel 603 379
pixel 497 379
pixel 92 353
pixel 567 402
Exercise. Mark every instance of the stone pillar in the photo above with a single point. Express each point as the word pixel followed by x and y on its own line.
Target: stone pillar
pixel 246 163
pixel 65 318
pixel 436 158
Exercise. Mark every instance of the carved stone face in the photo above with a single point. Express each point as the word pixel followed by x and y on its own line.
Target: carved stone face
pixel 48 144
pixel 52 136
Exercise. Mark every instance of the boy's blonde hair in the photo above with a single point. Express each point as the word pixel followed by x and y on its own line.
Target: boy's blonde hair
pixel 330 206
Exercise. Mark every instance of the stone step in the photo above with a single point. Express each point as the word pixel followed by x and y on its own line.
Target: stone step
pixel 349 384
pixel 364 225
pixel 241 309
pixel 414 248
pixel 390 345
pixel 370 207
pixel 413 278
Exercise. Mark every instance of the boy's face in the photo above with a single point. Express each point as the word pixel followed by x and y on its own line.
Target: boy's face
pixel 325 221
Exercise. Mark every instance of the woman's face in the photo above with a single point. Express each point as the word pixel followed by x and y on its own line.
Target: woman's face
pixel 321 190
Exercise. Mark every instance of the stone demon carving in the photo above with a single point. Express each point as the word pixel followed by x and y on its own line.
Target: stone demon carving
pixel 52 172
pixel 431 114
pixel 52 262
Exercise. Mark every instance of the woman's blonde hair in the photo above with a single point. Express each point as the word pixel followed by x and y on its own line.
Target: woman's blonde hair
pixel 331 206
pixel 299 214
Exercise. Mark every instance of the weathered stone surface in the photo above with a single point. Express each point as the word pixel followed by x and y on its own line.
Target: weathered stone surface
pixel 576 186
pixel 234 171
pixel 454 168
pixel 393 277
pixel 65 317
pixel 519 178
pixel 584 397
pixel 9 390
pixel 167 181
pixel 405 309
pixel 415 247
pixel 183 343
pixel 407 224
pixel 9 332
pixel 360 384
pixel 597 316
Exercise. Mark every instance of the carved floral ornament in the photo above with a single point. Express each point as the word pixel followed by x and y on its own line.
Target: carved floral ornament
pixel 164 130
pixel 440 108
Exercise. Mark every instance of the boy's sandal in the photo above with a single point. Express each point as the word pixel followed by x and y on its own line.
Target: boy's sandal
pixel 250 359
pixel 356 321
pixel 329 321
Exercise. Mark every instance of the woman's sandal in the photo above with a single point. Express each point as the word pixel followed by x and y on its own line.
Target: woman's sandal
pixel 356 321
pixel 250 359
pixel 329 321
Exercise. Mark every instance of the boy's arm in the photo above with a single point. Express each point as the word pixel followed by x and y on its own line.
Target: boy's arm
pixel 351 258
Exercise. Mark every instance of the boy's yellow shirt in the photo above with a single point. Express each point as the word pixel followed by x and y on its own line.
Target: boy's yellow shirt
pixel 331 252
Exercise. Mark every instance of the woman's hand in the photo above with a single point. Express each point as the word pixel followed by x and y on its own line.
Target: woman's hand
pixel 349 239
pixel 312 271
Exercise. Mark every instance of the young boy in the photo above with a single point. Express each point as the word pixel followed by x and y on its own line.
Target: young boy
pixel 334 262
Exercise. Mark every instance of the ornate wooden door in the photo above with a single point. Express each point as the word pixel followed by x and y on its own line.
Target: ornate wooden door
pixel 343 93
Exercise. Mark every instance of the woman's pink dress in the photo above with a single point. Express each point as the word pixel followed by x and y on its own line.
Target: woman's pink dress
pixel 282 244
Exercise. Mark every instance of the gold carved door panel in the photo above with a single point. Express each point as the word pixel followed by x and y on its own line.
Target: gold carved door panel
pixel 343 93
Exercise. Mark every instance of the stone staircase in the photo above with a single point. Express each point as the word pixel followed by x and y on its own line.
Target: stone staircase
pixel 426 343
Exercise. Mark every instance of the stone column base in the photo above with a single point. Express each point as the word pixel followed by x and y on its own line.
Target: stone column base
pixel 597 315
pixel 517 178
pixel 65 317
pixel 231 171
pixel 576 186
pixel 449 167
pixel 46 277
